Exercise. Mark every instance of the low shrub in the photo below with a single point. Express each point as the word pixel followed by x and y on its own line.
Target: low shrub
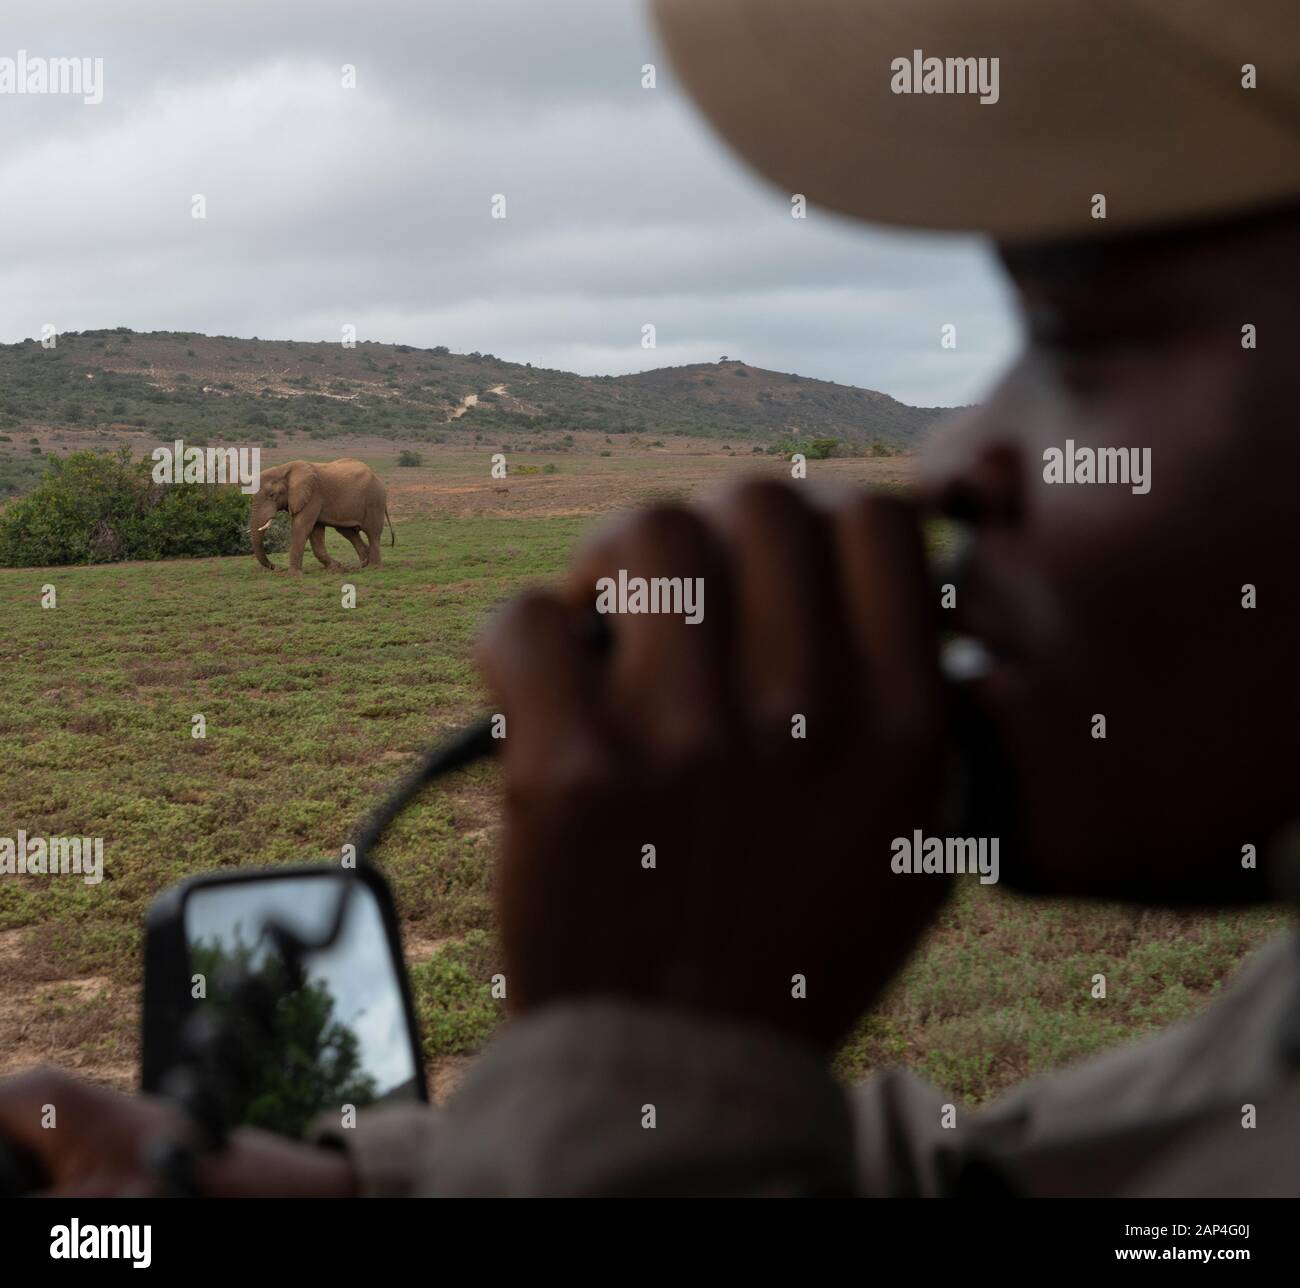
pixel 93 508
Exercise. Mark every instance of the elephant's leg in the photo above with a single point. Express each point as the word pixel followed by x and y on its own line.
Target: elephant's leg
pixel 318 549
pixel 354 536
pixel 303 524
pixel 376 559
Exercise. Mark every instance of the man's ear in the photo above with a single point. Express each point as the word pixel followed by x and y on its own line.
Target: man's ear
pixel 302 483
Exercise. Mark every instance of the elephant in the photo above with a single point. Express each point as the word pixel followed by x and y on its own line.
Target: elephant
pixel 345 495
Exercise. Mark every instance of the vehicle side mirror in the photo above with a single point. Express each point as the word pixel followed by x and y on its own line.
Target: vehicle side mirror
pixel 335 1026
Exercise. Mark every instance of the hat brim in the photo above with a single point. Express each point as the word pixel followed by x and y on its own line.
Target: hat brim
pixel 1141 104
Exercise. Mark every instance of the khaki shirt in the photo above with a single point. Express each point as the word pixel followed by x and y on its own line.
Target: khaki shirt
pixel 606 1097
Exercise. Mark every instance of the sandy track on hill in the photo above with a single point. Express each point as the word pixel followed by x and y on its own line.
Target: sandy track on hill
pixel 471 400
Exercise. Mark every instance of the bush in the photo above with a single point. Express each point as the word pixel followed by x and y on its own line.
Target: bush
pixel 409 458
pixel 816 449
pixel 93 508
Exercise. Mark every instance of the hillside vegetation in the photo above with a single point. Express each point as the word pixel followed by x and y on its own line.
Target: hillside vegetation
pixel 218 388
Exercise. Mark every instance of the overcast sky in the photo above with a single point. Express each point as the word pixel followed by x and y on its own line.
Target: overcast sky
pixel 372 206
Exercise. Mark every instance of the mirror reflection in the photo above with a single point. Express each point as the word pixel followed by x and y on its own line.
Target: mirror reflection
pixel 342 1036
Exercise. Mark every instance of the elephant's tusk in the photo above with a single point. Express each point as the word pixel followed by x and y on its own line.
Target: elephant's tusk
pixel 266 525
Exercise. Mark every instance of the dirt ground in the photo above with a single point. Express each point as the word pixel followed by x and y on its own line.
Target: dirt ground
pixel 63 1021
pixel 594 473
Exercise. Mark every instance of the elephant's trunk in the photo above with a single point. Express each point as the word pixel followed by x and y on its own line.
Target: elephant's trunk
pixel 256 531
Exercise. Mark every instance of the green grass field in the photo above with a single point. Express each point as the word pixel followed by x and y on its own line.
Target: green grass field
pixel 311 709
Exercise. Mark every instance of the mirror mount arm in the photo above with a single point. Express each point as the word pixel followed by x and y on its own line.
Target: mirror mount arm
pixel 461 749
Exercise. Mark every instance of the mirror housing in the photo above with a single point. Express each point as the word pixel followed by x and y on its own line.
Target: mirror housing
pixel 347 1027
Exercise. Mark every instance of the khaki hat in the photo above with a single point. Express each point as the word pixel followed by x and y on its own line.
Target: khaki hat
pixel 1140 102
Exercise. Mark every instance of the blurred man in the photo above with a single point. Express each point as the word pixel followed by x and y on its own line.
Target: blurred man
pixel 695 905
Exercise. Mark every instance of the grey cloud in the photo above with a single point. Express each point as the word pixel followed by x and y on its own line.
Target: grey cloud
pixel 371 206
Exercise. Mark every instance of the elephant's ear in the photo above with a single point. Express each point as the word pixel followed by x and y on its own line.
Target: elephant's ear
pixel 302 483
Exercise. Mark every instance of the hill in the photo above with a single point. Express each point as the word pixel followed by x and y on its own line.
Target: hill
pixel 220 388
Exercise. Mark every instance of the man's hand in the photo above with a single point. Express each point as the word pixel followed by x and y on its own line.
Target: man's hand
pixel 91 1141
pixel 768 754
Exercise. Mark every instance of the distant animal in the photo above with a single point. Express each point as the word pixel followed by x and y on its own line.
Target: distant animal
pixel 344 495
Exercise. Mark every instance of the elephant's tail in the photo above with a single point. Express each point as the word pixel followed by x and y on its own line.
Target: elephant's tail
pixel 392 531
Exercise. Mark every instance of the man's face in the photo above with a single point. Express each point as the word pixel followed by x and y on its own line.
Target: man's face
pixel 1099 602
